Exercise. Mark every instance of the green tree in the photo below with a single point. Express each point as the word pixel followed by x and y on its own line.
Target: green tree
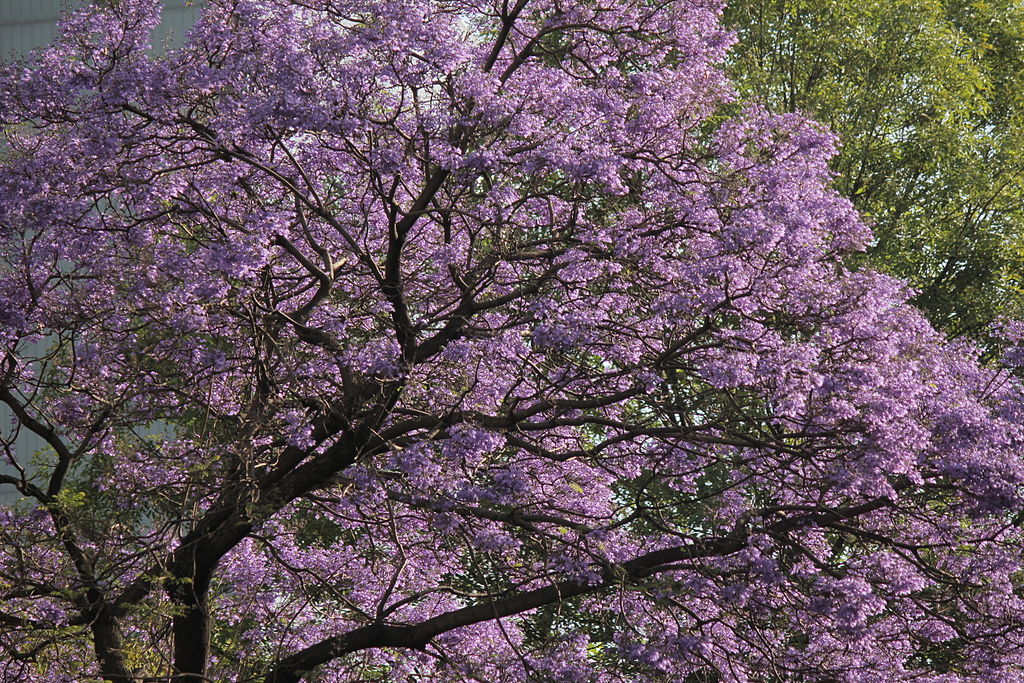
pixel 928 98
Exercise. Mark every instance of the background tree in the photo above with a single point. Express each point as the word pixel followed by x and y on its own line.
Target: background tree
pixel 468 341
pixel 928 100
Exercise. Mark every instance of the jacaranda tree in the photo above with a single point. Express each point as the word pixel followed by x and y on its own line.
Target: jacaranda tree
pixel 471 340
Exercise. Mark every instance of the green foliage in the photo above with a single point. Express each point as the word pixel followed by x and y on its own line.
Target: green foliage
pixel 928 99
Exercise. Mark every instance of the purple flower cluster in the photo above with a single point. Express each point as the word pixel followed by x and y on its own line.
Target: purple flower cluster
pixel 471 340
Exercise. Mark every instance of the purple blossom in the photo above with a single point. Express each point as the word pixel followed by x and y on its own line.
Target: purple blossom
pixel 453 341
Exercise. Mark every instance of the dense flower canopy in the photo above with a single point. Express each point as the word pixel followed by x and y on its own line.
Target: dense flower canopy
pixel 470 340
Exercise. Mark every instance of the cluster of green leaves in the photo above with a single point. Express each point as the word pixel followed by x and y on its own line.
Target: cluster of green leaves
pixel 927 97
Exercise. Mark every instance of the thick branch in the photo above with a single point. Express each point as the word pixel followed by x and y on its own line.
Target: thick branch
pixel 392 285
pixel 64 454
pixel 295 667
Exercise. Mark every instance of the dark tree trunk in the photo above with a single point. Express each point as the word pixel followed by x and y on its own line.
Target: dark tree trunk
pixel 107 645
pixel 192 630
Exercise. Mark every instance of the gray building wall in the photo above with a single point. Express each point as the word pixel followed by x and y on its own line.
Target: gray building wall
pixel 24 26
pixel 28 24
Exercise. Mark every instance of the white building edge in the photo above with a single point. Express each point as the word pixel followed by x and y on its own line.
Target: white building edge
pixel 24 26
